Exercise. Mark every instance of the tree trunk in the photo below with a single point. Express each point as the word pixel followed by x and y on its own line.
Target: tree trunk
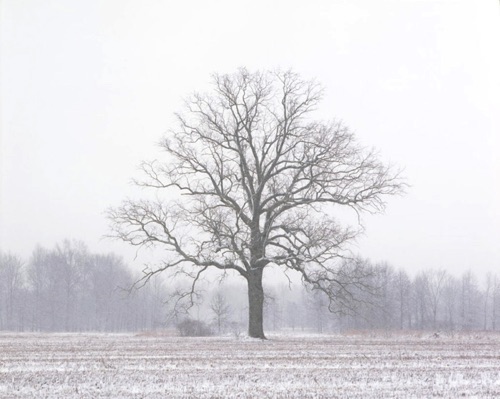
pixel 255 304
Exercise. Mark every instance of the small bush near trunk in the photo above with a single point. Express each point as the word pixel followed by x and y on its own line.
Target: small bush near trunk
pixel 193 328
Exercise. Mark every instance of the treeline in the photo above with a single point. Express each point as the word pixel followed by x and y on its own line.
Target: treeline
pixel 432 300
pixel 68 288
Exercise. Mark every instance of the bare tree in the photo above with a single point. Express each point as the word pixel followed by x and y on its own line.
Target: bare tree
pixel 317 305
pixel 70 261
pixel 221 310
pixel 488 291
pixel 451 292
pixel 11 282
pixel 470 307
pixel 420 301
pixel 436 280
pixel 259 181
pixel 495 301
pixel 402 286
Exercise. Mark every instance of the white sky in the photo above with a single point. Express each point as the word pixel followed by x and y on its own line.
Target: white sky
pixel 88 87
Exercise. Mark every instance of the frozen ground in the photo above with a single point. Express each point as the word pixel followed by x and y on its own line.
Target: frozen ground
pixel 340 366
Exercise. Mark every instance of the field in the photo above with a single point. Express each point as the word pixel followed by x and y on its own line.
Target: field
pixel 336 366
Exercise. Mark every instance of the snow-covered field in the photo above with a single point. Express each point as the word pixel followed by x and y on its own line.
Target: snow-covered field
pixel 338 366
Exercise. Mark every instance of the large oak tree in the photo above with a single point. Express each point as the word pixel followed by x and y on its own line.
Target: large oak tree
pixel 259 179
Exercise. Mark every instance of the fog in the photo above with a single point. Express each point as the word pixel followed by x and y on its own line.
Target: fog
pixel 89 87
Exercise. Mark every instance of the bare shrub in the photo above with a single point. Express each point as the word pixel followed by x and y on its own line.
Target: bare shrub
pixel 194 328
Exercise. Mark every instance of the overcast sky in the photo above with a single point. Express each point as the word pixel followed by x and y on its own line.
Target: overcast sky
pixel 88 88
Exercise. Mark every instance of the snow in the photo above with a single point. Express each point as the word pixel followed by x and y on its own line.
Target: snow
pixel 320 366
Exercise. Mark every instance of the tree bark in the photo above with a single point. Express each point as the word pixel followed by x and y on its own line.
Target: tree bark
pixel 255 304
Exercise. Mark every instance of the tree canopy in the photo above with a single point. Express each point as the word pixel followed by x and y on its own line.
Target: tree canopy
pixel 257 178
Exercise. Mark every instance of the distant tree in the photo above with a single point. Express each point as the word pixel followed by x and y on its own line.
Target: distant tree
pixel 435 282
pixel 451 294
pixel 292 309
pixel 420 301
pixel 273 308
pixel 37 283
pixel 11 284
pixel 259 181
pixel 489 292
pixel 470 306
pixel 106 304
pixel 221 310
pixel 384 313
pixel 402 287
pixel 69 261
pixel 495 302
pixel 318 306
